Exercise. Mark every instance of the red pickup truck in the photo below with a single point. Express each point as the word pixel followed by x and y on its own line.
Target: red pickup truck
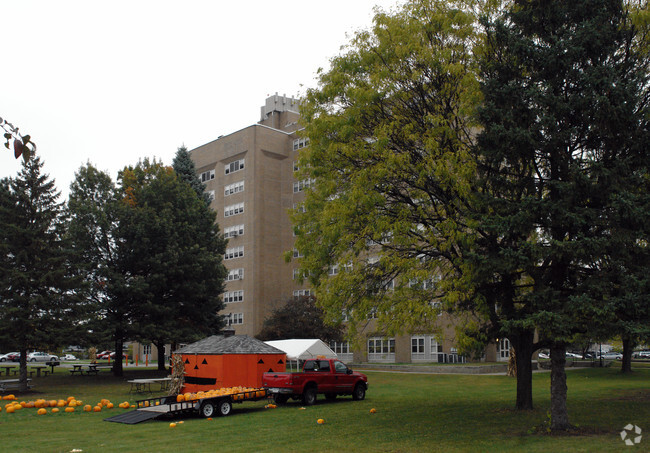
pixel 327 376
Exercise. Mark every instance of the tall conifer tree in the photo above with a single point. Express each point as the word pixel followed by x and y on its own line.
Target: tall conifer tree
pixel 38 289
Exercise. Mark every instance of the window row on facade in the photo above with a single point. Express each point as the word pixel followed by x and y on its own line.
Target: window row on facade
pixel 233 188
pixel 236 274
pixel 234 318
pixel 230 297
pixel 233 209
pixel 234 252
pixel 233 231
pixel 300 143
pixel 424 348
pixel 232 167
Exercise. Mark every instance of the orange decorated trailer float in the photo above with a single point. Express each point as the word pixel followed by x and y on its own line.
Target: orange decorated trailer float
pixel 219 371
pixel 228 361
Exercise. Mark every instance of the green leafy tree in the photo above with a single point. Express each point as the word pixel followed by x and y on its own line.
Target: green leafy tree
pixel 173 248
pixel 561 154
pixel 95 209
pixel 299 317
pixel 391 130
pixel 38 288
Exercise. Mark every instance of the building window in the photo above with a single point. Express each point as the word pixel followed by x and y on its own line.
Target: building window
pixel 210 195
pixel 233 231
pixel 299 207
pixel 381 349
pixel 301 292
pixel 233 209
pixel 234 188
pixel 230 297
pixel 333 270
pixel 236 274
pixel 503 350
pixel 234 166
pixel 234 252
pixel 300 143
pixel 297 254
pixel 340 347
pixel 234 318
pixel 207 175
pixel 425 348
pixel 299 186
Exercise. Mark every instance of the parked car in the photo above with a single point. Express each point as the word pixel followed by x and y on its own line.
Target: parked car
pixel 68 357
pixel 41 357
pixel 103 354
pixel 10 357
pixel 112 356
pixel 543 355
pixel 612 356
pixel 573 355
pixel 642 354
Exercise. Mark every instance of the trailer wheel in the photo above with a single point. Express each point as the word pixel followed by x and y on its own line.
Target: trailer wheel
pixel 359 392
pixel 207 409
pixel 309 396
pixel 225 407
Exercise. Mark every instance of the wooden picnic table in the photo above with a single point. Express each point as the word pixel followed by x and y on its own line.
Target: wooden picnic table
pixel 38 369
pixel 90 369
pixel 140 385
pixel 12 384
pixel 9 368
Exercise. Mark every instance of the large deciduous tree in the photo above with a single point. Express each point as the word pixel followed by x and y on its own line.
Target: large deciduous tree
pixel 39 300
pixel 299 317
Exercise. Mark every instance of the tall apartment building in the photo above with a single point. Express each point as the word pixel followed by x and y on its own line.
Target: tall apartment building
pixel 250 174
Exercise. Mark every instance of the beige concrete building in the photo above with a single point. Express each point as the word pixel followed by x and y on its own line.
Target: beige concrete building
pixel 250 174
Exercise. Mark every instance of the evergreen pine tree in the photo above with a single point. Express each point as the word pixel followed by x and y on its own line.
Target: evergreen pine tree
pixel 184 167
pixel 38 291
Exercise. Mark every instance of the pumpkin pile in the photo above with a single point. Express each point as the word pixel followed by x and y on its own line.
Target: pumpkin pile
pixel 42 405
pixel 238 394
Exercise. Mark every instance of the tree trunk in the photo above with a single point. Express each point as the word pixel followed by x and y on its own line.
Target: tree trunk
pixel 523 346
pixel 628 345
pixel 160 345
pixel 559 414
pixel 118 370
pixel 22 370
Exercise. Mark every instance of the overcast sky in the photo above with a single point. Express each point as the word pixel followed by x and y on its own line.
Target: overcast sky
pixel 113 82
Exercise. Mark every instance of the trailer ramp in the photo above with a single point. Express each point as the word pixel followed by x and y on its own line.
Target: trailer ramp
pixel 135 416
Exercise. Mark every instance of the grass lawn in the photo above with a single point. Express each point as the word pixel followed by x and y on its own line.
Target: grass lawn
pixel 414 413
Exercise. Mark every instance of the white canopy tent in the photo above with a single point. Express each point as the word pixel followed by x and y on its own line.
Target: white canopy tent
pixel 299 350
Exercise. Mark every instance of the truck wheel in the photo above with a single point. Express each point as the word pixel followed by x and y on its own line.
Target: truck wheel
pixel 359 392
pixel 330 396
pixel 207 409
pixel 309 396
pixel 280 399
pixel 225 407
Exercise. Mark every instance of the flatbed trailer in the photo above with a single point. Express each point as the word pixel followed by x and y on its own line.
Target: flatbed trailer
pixel 169 407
